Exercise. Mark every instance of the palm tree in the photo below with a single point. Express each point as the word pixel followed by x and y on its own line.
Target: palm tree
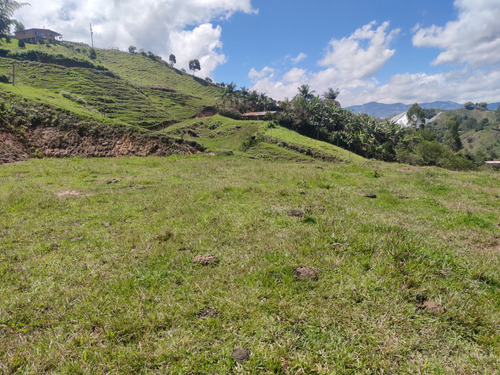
pixel 331 94
pixel 306 92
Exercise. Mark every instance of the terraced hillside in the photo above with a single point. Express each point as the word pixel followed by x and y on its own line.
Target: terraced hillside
pixel 130 88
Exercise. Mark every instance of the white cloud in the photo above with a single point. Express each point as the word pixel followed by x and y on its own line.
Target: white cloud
pixel 155 25
pixel 301 56
pixel 350 63
pixel 266 72
pixel 473 38
pixel 295 75
pixel 458 85
pixel 202 43
pixel 350 57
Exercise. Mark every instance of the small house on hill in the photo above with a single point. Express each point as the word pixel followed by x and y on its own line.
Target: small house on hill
pixel 36 35
pixel 257 115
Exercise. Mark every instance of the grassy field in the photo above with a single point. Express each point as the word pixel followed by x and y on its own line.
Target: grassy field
pixel 97 272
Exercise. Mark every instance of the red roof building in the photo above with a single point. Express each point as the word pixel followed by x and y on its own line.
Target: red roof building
pixel 35 35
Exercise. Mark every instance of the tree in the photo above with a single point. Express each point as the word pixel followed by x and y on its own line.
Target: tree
pixel 132 49
pixel 483 106
pixel 306 92
pixel 416 114
pixel 194 65
pixel 497 113
pixel 451 136
pixel 93 54
pixel 7 9
pixel 172 59
pixel 469 106
pixel 331 94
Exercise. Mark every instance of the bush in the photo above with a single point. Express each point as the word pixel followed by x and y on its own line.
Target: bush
pixel 22 44
pixel 93 54
pixel 4 78
pixel 231 114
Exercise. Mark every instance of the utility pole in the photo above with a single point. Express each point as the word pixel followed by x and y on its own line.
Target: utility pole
pixel 92 35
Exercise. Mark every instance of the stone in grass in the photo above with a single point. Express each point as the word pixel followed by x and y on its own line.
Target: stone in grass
pixel 207 312
pixel 295 213
pixel 106 223
pixel 205 259
pixel 370 196
pixel 241 355
pixel 305 273
pixel 431 307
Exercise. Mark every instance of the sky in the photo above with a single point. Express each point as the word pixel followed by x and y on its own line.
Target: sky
pixel 386 51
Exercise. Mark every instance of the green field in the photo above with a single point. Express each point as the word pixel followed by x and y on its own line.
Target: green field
pixel 97 272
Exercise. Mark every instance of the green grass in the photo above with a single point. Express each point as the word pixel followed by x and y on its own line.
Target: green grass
pixel 134 89
pixel 294 138
pixel 80 296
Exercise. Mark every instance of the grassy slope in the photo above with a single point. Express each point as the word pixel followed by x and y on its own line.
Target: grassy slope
pixel 223 134
pixel 78 296
pixel 147 93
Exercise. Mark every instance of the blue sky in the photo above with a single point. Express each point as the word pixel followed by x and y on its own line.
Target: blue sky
pixel 385 50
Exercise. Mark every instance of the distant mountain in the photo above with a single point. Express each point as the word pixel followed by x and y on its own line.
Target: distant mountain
pixel 493 106
pixel 381 110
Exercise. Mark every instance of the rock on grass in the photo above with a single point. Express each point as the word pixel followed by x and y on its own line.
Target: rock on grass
pixel 241 355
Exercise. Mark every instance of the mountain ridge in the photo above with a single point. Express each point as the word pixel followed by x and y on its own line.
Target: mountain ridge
pixel 382 110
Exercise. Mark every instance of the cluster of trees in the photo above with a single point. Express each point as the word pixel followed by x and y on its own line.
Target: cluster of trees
pixel 323 118
pixel 245 100
pixel 483 106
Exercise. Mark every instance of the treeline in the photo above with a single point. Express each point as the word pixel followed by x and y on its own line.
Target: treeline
pixel 324 119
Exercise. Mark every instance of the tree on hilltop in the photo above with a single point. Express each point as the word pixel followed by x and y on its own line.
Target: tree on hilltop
pixel 172 59
pixel 132 49
pixel 469 106
pixel 194 65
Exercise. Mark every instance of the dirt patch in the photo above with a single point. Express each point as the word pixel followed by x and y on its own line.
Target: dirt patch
pixel 72 193
pixel 305 273
pixel 372 196
pixel 430 307
pixel 206 259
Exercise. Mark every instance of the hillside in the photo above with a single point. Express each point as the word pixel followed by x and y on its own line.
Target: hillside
pixel 125 93
pixel 477 131
pixel 130 88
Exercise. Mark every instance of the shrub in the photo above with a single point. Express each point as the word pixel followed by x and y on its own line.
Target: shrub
pixel 22 44
pixel 4 78
pixel 93 54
